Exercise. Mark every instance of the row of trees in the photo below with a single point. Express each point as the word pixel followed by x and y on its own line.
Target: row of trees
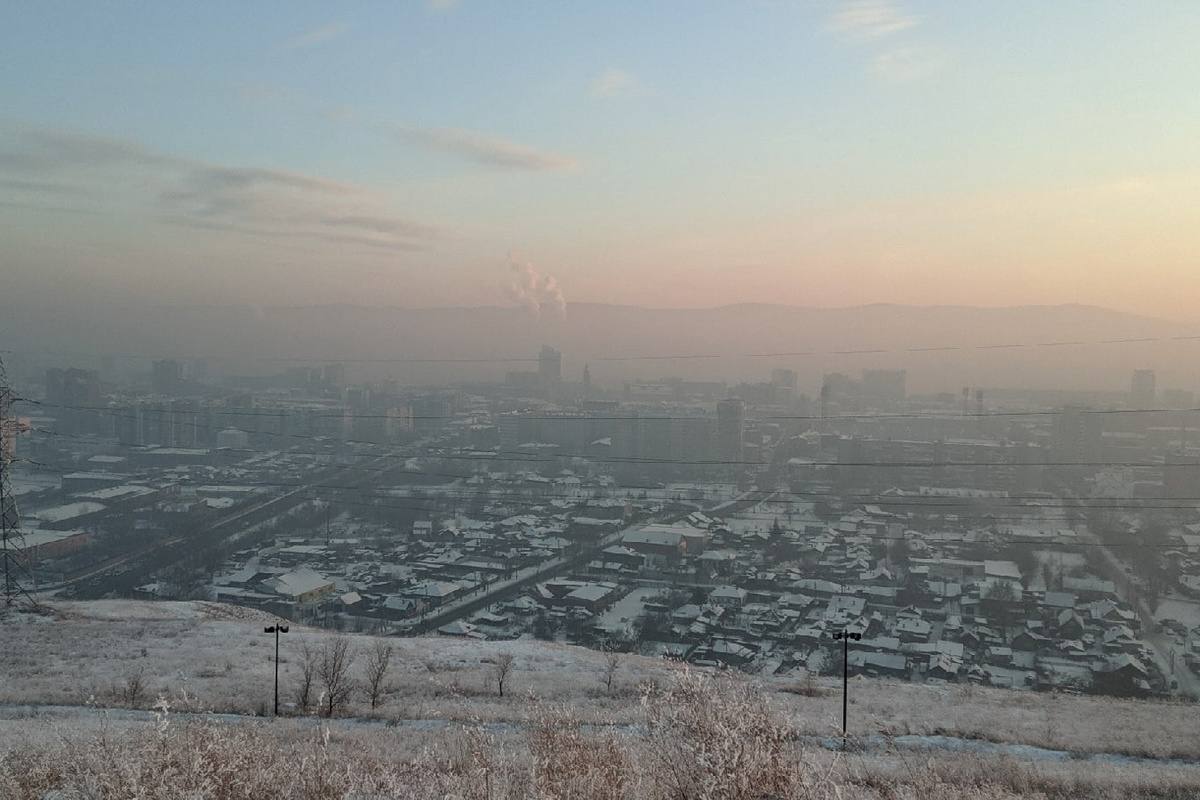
pixel 329 681
pixel 330 669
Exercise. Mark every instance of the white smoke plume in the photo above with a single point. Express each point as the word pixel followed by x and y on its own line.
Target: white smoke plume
pixel 536 292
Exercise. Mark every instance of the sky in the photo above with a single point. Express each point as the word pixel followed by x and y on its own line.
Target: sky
pixel 673 153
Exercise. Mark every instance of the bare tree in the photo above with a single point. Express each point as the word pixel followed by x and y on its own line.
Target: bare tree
pixel 333 670
pixel 134 687
pixel 501 670
pixel 612 663
pixel 375 672
pixel 308 676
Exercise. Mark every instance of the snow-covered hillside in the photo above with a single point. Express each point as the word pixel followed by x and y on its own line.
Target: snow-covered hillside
pixel 81 654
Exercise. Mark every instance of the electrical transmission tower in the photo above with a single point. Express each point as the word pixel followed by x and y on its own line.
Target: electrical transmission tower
pixel 12 543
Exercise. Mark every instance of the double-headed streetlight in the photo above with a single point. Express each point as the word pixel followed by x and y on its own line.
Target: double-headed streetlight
pixel 845 636
pixel 276 629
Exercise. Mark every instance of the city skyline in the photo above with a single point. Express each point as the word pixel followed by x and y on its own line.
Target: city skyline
pixel 450 154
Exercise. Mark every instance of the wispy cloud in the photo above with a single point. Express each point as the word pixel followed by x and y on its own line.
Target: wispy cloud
pixel 442 5
pixel 870 20
pixel 44 208
pixel 614 82
pixel 884 26
pixel 42 187
pixel 42 151
pixel 387 225
pixel 293 234
pixel 484 149
pixel 903 64
pixel 251 201
pixel 316 36
pixel 273 203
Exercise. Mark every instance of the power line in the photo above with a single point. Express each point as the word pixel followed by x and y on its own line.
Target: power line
pixel 886 497
pixel 1027 516
pixel 666 496
pixel 584 417
pixel 930 504
pixel 442 497
pixel 523 457
pixel 529 457
pixel 627 358
pixel 283 359
pixel 857 535
pixel 1032 514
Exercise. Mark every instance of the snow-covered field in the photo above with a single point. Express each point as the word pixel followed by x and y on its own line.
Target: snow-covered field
pixel 696 732
pixel 218 654
pixel 626 610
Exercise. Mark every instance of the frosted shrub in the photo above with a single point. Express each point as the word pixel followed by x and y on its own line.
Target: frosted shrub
pixel 717 739
pixel 568 765
pixel 703 738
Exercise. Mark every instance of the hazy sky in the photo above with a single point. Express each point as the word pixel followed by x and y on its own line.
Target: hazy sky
pixel 660 153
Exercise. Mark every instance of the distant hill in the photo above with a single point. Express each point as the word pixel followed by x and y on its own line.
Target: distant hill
pixel 937 344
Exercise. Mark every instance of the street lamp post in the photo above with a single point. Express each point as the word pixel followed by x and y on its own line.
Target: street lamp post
pixel 845 636
pixel 276 629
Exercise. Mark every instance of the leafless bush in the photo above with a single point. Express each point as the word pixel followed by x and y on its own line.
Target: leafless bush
pixel 566 765
pixel 308 676
pixel 716 737
pixel 133 688
pixel 375 672
pixel 612 663
pixel 482 768
pixel 333 670
pixel 806 687
pixel 501 669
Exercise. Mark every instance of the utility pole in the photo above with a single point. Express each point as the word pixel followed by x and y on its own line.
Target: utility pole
pixel 13 556
pixel 845 637
pixel 276 629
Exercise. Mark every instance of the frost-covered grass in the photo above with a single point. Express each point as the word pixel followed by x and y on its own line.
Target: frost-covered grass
pixel 1156 729
pixel 86 652
pixel 89 652
pixel 700 736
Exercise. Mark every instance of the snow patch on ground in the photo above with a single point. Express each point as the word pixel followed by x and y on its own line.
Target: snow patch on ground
pixel 125 610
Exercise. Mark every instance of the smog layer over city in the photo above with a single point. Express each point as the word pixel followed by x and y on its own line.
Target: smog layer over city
pixel 689 401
